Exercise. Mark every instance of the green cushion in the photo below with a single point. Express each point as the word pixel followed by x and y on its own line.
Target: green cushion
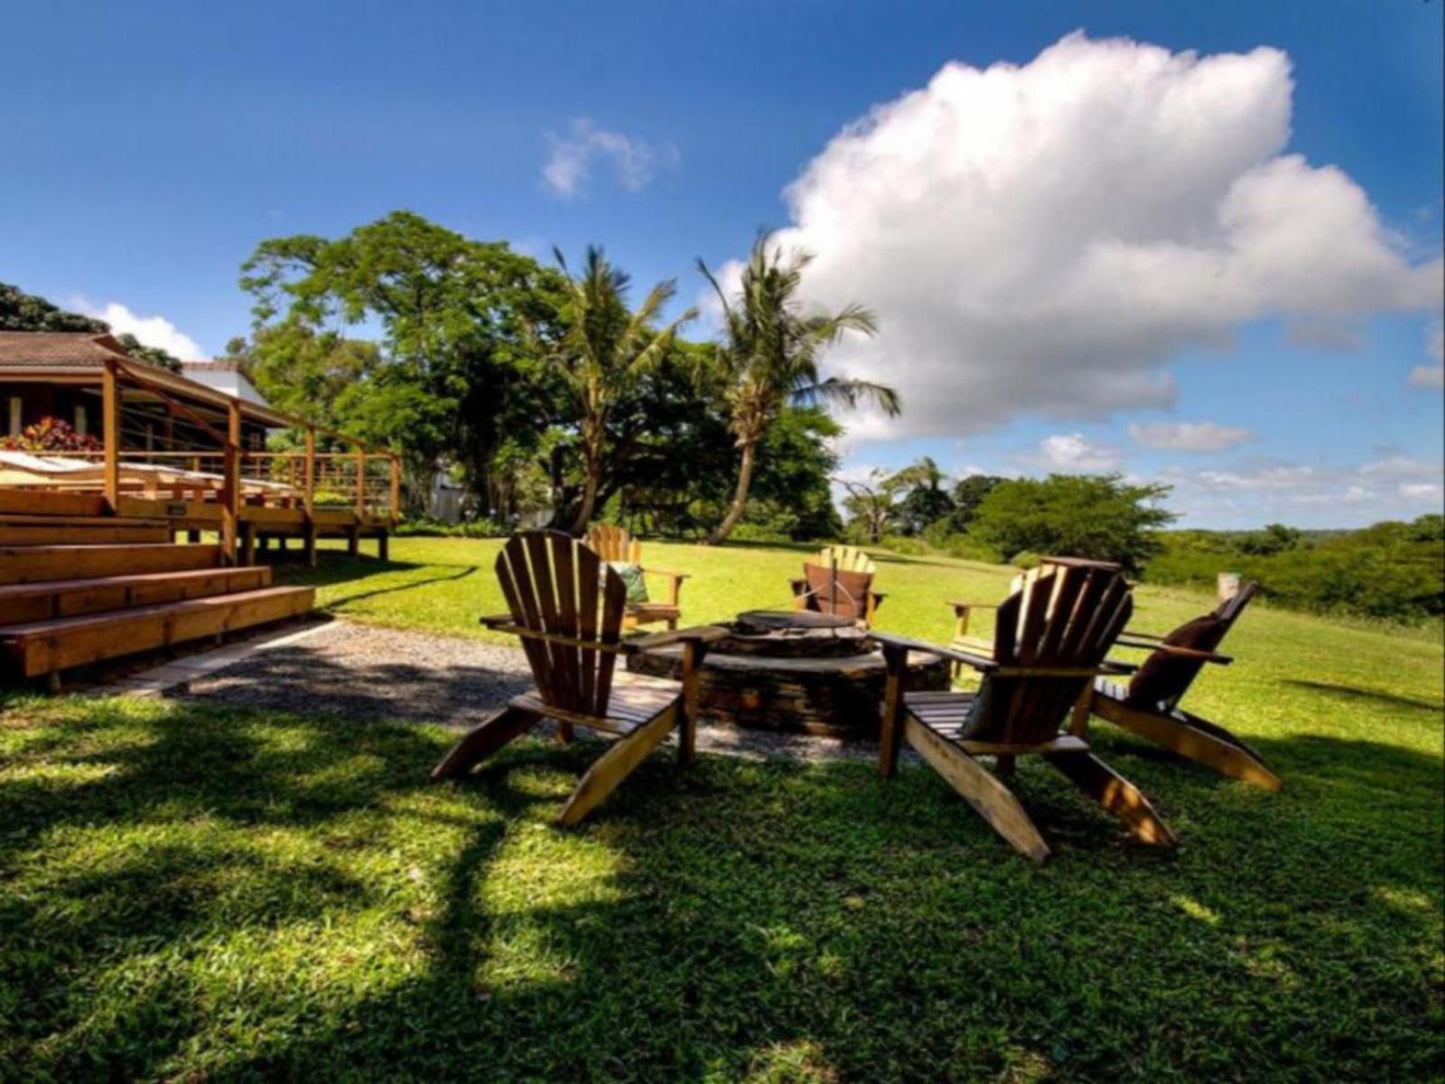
pixel 632 579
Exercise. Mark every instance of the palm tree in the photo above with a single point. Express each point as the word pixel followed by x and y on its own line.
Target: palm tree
pixel 769 356
pixel 603 352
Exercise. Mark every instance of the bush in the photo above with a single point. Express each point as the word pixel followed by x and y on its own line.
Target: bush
pixel 432 528
pixel 1100 517
pixel 50 435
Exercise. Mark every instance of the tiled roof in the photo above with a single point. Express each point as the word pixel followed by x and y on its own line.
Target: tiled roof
pixel 212 365
pixel 62 349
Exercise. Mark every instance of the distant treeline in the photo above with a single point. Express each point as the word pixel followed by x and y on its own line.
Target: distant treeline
pixel 1390 570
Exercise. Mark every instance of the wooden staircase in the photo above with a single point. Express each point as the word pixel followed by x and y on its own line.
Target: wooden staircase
pixel 78 589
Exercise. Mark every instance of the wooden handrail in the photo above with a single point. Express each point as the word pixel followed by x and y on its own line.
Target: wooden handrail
pixel 232 454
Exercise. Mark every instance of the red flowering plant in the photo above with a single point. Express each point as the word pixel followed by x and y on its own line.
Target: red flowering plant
pixel 50 435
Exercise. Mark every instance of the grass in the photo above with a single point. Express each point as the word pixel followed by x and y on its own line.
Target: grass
pixel 198 894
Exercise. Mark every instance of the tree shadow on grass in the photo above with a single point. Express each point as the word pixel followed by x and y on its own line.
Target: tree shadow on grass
pixel 746 920
pixel 1354 694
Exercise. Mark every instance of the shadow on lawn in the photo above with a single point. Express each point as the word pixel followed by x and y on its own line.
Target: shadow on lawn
pixel 790 923
pixel 1354 695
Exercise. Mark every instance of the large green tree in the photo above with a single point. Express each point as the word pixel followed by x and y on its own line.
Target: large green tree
pixel 1101 517
pixel 457 369
pixel 769 357
pixel 925 501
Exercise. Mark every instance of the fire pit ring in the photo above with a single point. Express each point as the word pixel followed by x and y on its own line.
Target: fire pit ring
pixel 794 671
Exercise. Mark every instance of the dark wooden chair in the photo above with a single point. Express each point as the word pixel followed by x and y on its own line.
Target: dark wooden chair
pixel 613 543
pixel 1051 640
pixel 1148 705
pixel 567 607
pixel 839 580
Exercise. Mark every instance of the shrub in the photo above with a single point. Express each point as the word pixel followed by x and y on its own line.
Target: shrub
pixel 1101 517
pixel 50 435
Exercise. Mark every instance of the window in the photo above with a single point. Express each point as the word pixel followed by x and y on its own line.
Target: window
pixel 82 423
pixel 15 416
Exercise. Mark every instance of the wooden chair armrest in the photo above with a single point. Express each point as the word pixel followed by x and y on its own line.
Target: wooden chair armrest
pixel 702 634
pixel 1104 669
pixel 978 662
pixel 664 572
pixel 878 596
pixel 1171 649
pixel 973 605
pixel 1131 634
pixel 1121 667
pixel 494 620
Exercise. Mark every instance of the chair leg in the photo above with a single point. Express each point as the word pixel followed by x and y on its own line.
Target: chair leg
pixel 1193 738
pixel 993 801
pixel 615 765
pixel 1115 793
pixel 495 731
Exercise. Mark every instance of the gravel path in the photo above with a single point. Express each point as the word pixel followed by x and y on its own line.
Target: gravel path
pixel 362 672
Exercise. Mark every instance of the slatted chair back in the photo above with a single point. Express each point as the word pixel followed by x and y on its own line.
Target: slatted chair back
pixel 567 606
pixel 614 543
pixel 1063 620
pixel 1165 677
pixel 846 558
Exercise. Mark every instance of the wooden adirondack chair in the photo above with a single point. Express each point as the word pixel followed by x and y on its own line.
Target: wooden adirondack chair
pixel 1051 641
pixel 1148 704
pixel 856 566
pixel 613 543
pixel 566 605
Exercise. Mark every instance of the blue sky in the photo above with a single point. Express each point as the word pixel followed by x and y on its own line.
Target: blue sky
pixel 150 146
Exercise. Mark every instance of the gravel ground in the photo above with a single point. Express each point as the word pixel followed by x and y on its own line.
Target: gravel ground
pixel 358 671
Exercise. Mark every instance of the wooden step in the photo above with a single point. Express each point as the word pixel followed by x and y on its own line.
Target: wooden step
pixel 26 602
pixel 46 503
pixel 26 519
pixel 45 647
pixel 113 531
pixel 31 564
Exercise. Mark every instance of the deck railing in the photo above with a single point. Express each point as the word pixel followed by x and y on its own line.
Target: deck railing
pixel 214 467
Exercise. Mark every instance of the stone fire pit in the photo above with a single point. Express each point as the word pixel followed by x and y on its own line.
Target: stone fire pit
pixel 794 671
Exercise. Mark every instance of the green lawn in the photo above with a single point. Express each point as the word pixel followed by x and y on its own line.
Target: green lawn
pixel 216 895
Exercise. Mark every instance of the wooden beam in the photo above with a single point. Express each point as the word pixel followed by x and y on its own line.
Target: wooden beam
pixel 310 472
pixel 395 488
pixel 360 482
pixel 231 486
pixel 110 421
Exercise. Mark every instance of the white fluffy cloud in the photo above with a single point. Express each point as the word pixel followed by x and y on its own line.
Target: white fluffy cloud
pixel 1431 376
pixel 1043 238
pixel 1399 486
pixel 1070 452
pixel 150 330
pixel 570 157
pixel 1189 436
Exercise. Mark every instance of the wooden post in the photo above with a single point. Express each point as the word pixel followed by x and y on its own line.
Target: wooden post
pixel 395 488
pixel 691 703
pixel 360 484
pixel 231 486
pixel 310 497
pixel 110 420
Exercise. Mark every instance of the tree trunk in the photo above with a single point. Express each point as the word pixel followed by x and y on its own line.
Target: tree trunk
pixel 589 497
pixel 740 497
